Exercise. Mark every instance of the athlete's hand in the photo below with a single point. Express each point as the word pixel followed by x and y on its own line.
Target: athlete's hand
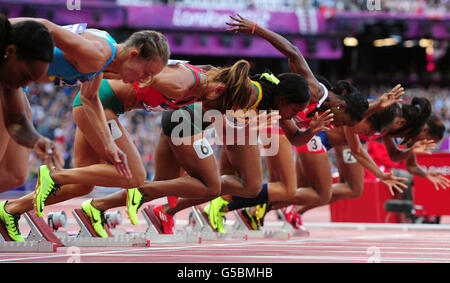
pixel 47 151
pixel 393 182
pixel 264 121
pixel 240 24
pixel 392 97
pixel 118 159
pixel 438 180
pixel 423 146
pixel 320 122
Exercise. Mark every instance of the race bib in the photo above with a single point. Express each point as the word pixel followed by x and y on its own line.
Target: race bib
pixel 348 157
pixel 315 144
pixel 202 148
pixel 114 129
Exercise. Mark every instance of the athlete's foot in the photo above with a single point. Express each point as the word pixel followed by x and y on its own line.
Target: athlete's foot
pixel 217 214
pixel 166 219
pixel 135 199
pixel 96 217
pixel 251 219
pixel 44 187
pixel 288 213
pixel 11 223
pixel 297 221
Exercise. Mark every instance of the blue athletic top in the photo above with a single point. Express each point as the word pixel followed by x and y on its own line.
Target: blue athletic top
pixel 63 73
pixel 325 141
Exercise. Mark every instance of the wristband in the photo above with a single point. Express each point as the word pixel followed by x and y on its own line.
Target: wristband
pixel 254 28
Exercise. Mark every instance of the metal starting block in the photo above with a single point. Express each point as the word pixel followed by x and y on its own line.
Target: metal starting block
pixel 241 224
pixel 156 234
pixel 286 226
pixel 40 238
pixel 199 224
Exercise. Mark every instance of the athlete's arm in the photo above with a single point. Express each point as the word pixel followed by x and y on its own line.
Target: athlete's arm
pixel 93 110
pixel 386 100
pixel 296 61
pixel 365 160
pixel 21 129
pixel 437 179
pixel 84 51
pixel 397 155
pixel 299 137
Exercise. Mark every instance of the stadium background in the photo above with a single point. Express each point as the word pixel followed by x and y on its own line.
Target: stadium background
pixel 373 43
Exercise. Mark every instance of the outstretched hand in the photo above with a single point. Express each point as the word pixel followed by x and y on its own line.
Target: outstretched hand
pixel 394 182
pixel 320 122
pixel 392 97
pixel 240 24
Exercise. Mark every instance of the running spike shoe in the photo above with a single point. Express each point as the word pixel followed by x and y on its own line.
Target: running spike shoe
pixel 135 199
pixel 96 217
pixel 44 187
pixel 11 223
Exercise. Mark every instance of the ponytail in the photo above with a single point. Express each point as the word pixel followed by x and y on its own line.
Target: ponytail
pixel 238 87
pixel 416 114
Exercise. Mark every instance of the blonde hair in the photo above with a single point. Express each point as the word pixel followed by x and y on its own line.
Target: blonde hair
pixel 150 44
pixel 238 87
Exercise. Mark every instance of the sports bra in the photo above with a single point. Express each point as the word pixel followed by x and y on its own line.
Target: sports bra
pixel 62 73
pixel 153 100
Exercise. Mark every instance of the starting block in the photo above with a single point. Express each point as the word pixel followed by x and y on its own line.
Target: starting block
pixel 286 226
pixel 156 234
pixel 199 224
pixel 241 224
pixel 40 238
pixel 87 237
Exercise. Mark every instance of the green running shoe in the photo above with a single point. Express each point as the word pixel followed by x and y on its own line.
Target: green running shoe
pixel 96 216
pixel 134 201
pixel 11 223
pixel 44 187
pixel 216 215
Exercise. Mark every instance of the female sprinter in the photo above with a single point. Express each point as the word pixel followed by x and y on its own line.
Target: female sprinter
pixel 26 50
pixel 353 174
pixel 80 57
pixel 344 101
pixel 166 89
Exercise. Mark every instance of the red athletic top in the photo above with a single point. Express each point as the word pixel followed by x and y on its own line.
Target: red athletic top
pixel 154 100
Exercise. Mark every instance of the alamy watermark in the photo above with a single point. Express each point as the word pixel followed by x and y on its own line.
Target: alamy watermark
pixel 234 128
pixel 374 5
pixel 73 5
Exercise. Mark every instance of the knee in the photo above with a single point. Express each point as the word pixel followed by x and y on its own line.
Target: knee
pixel 324 198
pixel 253 188
pixel 138 178
pixel 14 180
pixel 212 190
pixel 356 192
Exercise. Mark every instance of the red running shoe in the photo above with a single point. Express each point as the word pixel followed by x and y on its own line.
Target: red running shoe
pixel 289 213
pixel 172 201
pixel 297 221
pixel 165 219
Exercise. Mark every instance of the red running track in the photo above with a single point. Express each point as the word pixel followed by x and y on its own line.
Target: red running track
pixel 324 245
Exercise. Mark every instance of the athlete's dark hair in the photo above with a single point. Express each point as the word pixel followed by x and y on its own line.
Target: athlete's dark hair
pixel 436 126
pixel 382 119
pixel 416 114
pixel 357 103
pixel 292 87
pixel 33 41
